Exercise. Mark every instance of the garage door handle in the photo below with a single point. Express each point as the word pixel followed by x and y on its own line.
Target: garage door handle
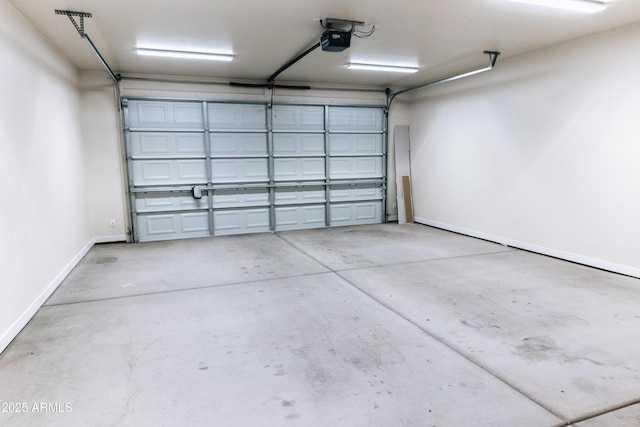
pixel 196 192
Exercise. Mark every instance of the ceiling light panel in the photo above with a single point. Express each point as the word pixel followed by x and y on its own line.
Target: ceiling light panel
pixel 183 54
pixel 585 6
pixel 380 67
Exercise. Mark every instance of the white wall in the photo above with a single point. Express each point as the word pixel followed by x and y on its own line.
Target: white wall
pixel 540 153
pixel 104 156
pixel 44 217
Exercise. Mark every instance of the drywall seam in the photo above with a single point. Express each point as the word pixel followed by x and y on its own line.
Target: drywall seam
pixel 567 256
pixel 28 314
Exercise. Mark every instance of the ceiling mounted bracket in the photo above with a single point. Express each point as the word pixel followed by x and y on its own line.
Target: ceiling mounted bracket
pixel 70 14
pixel 80 27
pixel 334 22
pixel 493 57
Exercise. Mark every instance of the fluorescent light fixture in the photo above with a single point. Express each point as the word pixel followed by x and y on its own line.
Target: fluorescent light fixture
pixel 376 67
pixel 184 54
pixel 586 6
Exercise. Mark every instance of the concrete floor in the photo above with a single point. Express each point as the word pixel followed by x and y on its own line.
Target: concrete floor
pixel 381 325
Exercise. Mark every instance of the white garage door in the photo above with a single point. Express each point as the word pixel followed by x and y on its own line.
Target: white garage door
pixel 213 168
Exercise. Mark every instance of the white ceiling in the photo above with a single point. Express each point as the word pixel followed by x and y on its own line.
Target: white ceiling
pixel 442 37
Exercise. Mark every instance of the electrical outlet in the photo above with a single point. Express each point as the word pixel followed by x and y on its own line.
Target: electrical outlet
pixel 112 222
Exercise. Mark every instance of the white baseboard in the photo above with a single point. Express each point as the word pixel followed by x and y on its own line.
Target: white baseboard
pixel 567 256
pixel 110 239
pixel 28 314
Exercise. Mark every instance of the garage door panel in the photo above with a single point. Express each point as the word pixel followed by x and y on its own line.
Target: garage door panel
pixel 158 145
pixel 298 117
pixel 158 202
pixel 237 116
pixel 285 196
pixel 159 224
pixel 240 198
pixel 165 115
pixel 147 113
pixel 356 213
pixel 346 193
pixel 355 167
pixel 195 222
pixel 260 168
pixel 170 226
pixel 168 172
pixel 147 172
pixel 293 169
pixel 367 212
pixel 300 217
pixel 355 119
pixel 295 144
pixel 192 170
pixel 238 144
pixel 188 114
pixel 257 220
pixel 239 170
pixel 355 144
pixel 241 221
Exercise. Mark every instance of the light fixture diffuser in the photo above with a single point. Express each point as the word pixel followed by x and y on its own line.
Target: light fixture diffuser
pixel 585 6
pixel 378 67
pixel 183 54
